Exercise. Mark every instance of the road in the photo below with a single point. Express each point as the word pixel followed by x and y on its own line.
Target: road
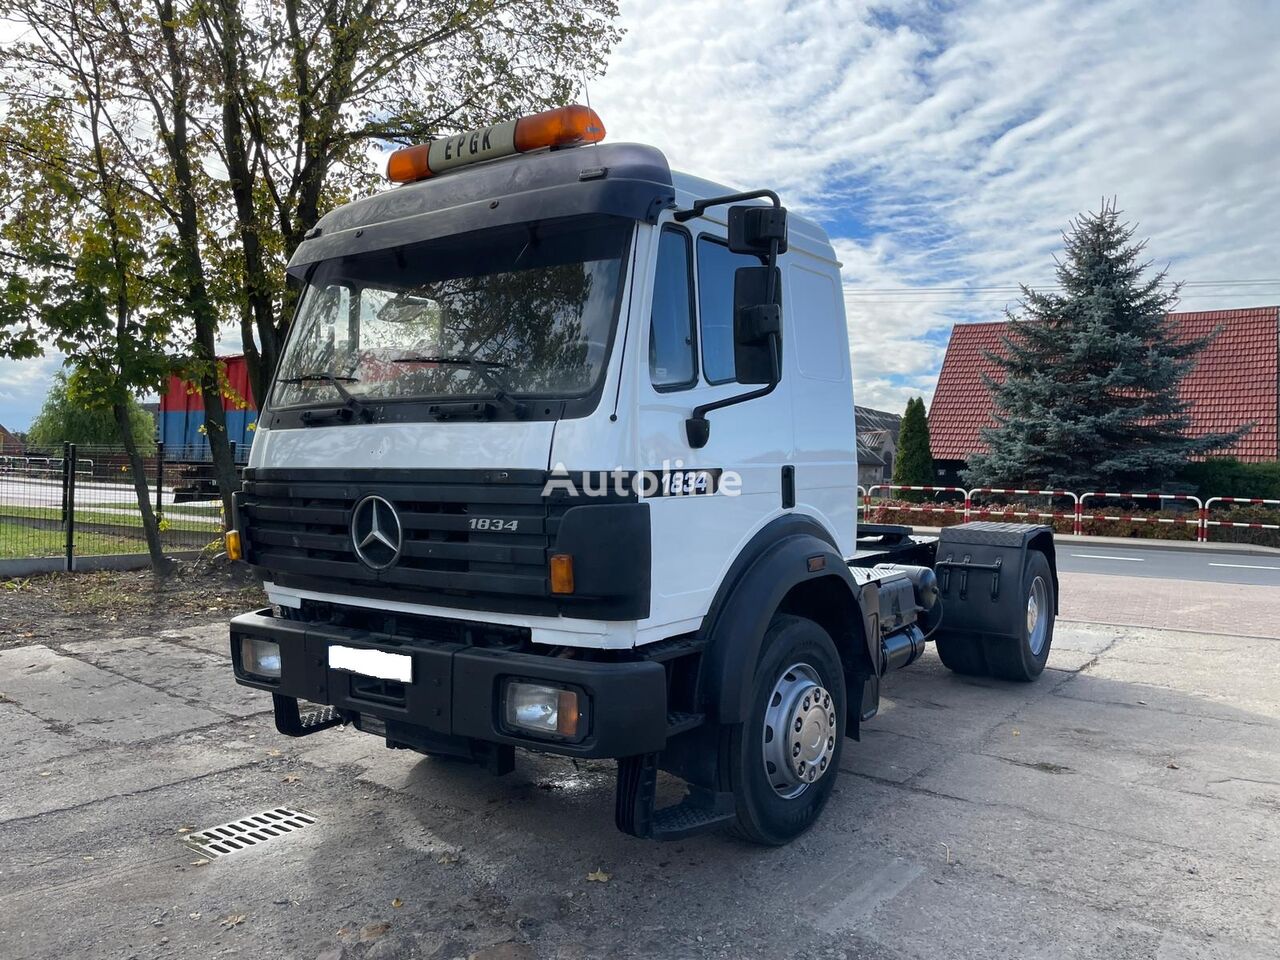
pixel 1163 562
pixel 1122 807
pixel 92 495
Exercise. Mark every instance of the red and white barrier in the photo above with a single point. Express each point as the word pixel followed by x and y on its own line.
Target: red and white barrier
pixel 981 512
pixel 952 509
pixel 1197 521
pixel 1249 525
pixel 1078 514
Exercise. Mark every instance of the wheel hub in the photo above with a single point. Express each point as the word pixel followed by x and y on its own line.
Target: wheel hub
pixel 1037 619
pixel 800 730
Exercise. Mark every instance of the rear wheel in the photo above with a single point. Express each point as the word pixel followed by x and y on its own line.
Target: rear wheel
pixel 1023 657
pixel 782 762
pixel 962 653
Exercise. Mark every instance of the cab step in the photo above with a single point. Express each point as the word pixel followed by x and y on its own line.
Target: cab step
pixel 678 722
pixel 700 810
pixel 292 723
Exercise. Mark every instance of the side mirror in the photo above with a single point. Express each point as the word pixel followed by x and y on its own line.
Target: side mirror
pixel 757 324
pixel 753 229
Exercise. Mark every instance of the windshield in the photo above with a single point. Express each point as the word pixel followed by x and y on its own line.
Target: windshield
pixel 528 310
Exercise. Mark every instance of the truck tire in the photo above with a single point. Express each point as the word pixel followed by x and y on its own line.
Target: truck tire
pixel 962 653
pixel 781 776
pixel 1022 658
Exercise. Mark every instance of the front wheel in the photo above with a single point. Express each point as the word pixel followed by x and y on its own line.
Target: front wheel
pixel 782 761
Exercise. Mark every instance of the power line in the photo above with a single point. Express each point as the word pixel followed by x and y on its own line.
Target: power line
pixel 1015 288
pixel 965 302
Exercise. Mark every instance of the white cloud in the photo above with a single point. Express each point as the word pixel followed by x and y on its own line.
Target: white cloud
pixel 23 385
pixel 949 148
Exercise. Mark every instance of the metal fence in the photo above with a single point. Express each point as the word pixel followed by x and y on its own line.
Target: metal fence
pixel 80 501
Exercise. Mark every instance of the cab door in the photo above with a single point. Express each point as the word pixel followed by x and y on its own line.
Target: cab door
pixel 707 502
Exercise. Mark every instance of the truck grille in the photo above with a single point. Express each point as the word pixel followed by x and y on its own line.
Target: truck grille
pixel 470 538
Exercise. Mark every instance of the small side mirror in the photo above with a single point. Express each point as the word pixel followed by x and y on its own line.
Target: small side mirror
pixel 757 324
pixel 752 229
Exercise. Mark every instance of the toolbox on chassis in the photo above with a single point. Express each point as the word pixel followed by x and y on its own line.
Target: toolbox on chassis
pixel 560 455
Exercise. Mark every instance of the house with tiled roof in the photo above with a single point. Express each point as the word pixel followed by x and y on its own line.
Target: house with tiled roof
pixel 1236 381
pixel 10 446
pixel 877 433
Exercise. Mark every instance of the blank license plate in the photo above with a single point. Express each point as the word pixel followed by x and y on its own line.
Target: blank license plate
pixel 372 663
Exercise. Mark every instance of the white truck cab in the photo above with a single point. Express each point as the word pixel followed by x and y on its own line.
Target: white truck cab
pixel 561 455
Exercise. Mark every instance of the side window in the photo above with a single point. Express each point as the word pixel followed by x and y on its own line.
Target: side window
pixel 672 361
pixel 716 267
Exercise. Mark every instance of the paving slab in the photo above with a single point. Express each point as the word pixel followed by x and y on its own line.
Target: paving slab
pixel 95 703
pixel 190 672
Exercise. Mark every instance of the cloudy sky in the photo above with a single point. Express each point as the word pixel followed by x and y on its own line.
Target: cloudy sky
pixel 946 145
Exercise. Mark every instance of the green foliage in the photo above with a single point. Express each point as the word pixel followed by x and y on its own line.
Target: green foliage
pixel 66 417
pixel 914 463
pixel 1090 394
pixel 1228 477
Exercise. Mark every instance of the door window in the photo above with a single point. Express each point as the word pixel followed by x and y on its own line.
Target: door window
pixel 672 362
pixel 716 268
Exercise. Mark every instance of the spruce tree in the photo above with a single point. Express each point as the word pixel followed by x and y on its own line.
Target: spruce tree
pixel 913 465
pixel 1089 398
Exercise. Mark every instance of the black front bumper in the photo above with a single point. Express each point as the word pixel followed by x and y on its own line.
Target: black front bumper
pixel 456 690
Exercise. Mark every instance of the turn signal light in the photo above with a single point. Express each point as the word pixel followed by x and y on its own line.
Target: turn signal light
pixel 561 573
pixel 561 127
pixel 232 540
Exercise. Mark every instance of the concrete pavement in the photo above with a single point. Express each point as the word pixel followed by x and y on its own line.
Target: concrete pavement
pixel 1122 807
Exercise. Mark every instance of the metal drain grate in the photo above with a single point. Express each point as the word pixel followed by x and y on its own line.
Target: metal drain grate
pixel 247 832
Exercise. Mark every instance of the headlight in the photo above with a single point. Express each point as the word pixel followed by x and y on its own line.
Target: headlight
pixel 260 657
pixel 544 710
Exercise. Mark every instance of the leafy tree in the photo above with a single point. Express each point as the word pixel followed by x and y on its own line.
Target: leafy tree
pixel 237 125
pixel 76 266
pixel 913 465
pixel 1090 395
pixel 65 417
pixel 308 89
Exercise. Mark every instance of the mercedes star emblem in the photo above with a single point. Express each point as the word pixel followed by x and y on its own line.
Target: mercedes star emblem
pixel 375 532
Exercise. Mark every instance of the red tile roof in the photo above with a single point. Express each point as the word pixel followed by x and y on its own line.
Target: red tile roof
pixel 1236 381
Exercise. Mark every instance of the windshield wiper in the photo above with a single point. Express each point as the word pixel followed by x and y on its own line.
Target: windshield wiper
pixel 350 405
pixel 483 367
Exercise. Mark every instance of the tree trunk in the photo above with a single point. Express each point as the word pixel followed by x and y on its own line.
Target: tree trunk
pixel 160 564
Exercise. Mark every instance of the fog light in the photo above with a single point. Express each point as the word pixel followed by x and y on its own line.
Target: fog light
pixel 260 657
pixel 543 710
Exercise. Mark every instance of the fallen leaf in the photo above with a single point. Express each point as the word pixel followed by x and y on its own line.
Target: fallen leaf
pixel 273 752
pixel 185 829
pixel 193 916
pixel 87 859
pixel 1143 702
pixel 1172 766
pixel 46 773
pixel 1017 733
pixel 598 876
pixel 199 863
pixel 292 778
pixel 234 920
pixel 372 931
pixel 447 857
pixel 397 903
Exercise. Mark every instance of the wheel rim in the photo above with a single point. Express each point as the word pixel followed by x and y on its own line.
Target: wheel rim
pixel 800 730
pixel 1037 615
